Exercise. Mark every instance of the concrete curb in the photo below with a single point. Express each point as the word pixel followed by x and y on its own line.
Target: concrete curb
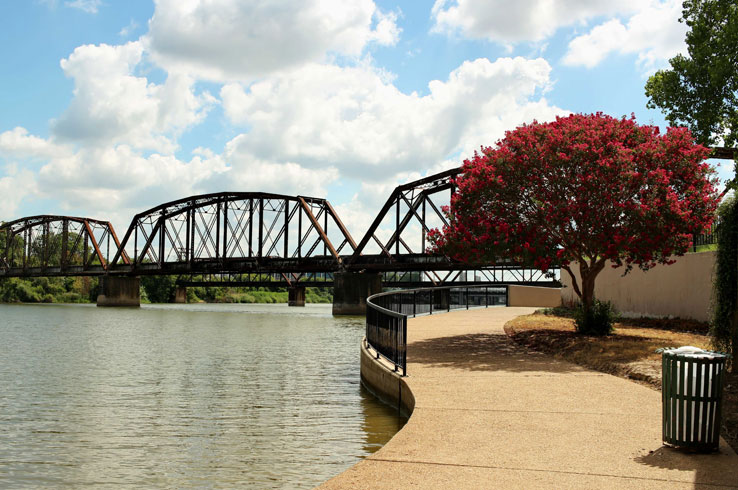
pixel 378 377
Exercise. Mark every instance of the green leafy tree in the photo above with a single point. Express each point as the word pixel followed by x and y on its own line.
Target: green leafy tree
pixel 701 90
pixel 159 289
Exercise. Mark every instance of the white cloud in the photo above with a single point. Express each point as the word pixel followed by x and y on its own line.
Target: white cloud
pixel 19 144
pixel 112 105
pixel 249 173
pixel 89 6
pixel 128 29
pixel 101 181
pixel 521 20
pixel 237 39
pixel 15 186
pixel 654 33
pixel 353 119
pixel 108 178
pixel 387 32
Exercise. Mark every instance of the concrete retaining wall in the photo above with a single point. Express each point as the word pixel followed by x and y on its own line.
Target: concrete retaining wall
pixel 384 383
pixel 533 296
pixel 683 289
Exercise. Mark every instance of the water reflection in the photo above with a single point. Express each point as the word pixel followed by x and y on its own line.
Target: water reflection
pixel 255 396
pixel 381 422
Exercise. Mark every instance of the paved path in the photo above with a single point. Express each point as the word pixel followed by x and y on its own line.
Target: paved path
pixel 490 415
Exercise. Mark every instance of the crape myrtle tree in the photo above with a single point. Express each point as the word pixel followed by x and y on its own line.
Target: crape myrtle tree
pixel 585 190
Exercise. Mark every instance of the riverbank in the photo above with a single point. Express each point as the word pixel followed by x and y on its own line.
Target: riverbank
pixel 488 413
pixel 154 289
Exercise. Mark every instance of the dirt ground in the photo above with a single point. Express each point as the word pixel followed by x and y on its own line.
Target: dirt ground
pixel 628 353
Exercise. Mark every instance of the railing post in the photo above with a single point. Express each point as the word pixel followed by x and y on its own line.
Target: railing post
pixel 467 297
pixel 415 302
pixel 486 297
pixel 430 295
pixel 404 342
pixel 507 295
pixel 396 344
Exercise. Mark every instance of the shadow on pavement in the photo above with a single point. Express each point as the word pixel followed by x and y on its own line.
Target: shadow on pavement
pixel 484 352
pixel 709 469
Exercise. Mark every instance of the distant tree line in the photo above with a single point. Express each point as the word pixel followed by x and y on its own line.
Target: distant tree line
pixel 154 289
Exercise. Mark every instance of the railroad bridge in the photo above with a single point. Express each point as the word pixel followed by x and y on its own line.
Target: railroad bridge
pixel 254 239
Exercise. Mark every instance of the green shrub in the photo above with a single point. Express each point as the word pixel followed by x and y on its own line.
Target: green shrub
pixel 597 321
pixel 723 327
pixel 159 289
pixel 561 311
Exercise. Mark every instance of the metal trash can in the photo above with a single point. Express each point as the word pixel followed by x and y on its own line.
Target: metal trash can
pixel 692 391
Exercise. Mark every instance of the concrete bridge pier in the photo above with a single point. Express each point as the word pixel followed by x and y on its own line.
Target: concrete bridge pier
pixel 119 291
pixel 180 295
pixel 351 289
pixel 296 296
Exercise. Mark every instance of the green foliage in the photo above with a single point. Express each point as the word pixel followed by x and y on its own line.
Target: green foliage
pixel 725 288
pixel 560 311
pixel 259 294
pixel 48 290
pixel 319 295
pixel 154 289
pixel 158 289
pixel 596 320
pixel 700 90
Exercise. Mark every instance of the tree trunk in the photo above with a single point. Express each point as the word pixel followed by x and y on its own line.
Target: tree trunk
pixel 587 291
pixel 588 273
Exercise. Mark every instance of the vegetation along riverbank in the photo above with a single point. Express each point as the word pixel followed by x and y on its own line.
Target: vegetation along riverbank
pixel 159 289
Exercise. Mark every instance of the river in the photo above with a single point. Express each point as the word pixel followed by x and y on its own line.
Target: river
pixel 205 395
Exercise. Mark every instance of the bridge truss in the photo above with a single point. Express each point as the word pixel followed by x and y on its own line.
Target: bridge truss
pixel 56 246
pixel 255 239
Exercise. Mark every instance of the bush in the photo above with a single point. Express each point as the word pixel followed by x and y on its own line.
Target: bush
pixel 597 321
pixel 561 311
pixel 159 289
pixel 725 286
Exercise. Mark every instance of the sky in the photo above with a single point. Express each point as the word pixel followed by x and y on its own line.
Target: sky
pixel 108 108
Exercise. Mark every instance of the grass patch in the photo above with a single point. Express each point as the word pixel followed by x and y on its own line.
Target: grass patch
pixel 628 353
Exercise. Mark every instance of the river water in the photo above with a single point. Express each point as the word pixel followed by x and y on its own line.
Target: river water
pixel 248 396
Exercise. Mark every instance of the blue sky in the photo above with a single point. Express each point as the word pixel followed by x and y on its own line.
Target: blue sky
pixel 109 108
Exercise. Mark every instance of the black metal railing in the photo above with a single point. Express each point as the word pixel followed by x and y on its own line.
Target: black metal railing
pixel 387 314
pixel 709 236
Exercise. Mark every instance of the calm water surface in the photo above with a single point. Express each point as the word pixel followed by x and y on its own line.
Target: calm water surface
pixel 254 396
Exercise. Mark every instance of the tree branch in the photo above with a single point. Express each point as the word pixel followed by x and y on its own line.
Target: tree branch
pixel 574 283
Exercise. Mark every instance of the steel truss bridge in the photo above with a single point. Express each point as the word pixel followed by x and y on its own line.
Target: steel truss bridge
pixel 254 239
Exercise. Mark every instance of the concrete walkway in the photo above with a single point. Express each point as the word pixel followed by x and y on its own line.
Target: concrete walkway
pixel 490 415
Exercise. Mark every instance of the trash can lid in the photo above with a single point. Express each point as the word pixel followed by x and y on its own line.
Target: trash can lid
pixel 694 352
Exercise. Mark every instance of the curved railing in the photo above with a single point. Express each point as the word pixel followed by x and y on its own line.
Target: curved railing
pixel 387 314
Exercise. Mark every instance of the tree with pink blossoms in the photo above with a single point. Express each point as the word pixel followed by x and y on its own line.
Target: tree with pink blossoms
pixel 581 191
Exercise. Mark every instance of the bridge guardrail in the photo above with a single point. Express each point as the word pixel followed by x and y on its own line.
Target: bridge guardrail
pixel 387 314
